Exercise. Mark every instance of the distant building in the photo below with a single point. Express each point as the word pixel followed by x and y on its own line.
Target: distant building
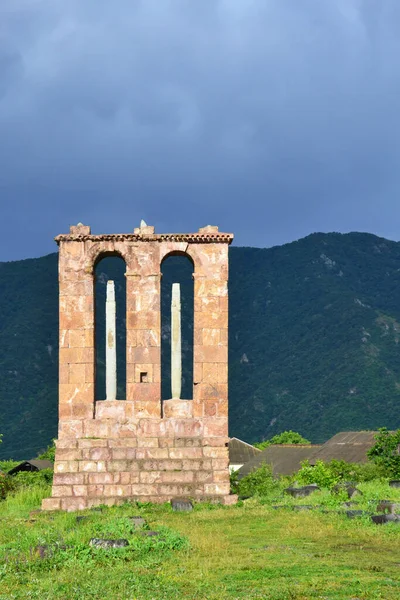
pixel 284 459
pixel 31 465
pixel 351 446
pixel 240 453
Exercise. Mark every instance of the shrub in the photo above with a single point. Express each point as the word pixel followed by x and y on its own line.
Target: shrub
pixel 7 485
pixel 385 452
pixel 33 478
pixel 259 482
pixel 286 437
pixel 321 474
pixel 327 475
pixel 49 453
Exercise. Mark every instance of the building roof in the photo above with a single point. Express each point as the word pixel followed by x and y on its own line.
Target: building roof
pixel 240 452
pixel 284 459
pixel 351 446
pixel 32 465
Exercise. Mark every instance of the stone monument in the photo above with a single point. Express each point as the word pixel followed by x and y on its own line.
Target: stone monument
pixel 141 448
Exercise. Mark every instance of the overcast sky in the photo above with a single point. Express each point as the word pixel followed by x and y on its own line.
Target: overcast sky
pixel 270 118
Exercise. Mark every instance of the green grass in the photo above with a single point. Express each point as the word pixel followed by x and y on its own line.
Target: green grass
pixel 249 551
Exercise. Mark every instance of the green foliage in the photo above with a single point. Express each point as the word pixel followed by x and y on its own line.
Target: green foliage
pixel 7 465
pixel 49 453
pixel 7 485
pixel 259 482
pixel 320 473
pixel 34 478
pixel 286 437
pixel 327 475
pixel 386 451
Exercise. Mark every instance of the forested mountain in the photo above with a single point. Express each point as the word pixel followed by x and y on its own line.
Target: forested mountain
pixel 314 339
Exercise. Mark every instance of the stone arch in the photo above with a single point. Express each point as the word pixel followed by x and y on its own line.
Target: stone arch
pixel 181 272
pixel 102 272
pixel 178 252
pixel 99 251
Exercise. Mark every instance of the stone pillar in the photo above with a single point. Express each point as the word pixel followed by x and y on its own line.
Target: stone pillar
pixel 210 378
pixel 76 337
pixel 143 335
pixel 176 342
pixel 111 349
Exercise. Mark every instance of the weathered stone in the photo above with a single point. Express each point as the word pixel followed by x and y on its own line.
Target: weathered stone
pixel 395 483
pixel 102 543
pixel 301 492
pixel 138 522
pixel 387 506
pixel 348 487
pixel 352 514
pixel 381 519
pixel 181 505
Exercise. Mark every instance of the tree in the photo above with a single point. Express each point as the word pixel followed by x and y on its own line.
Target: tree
pixel 386 451
pixel 286 437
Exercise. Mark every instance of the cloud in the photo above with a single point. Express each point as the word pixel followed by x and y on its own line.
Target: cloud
pixel 272 118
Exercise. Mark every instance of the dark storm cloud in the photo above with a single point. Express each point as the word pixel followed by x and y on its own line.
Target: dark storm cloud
pixel 271 118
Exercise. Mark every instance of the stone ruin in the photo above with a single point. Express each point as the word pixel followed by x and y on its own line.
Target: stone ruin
pixel 141 448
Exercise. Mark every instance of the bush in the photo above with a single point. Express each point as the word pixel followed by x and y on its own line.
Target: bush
pixel 7 485
pixel 385 452
pixel 49 453
pixel 327 475
pixel 33 478
pixel 321 474
pixel 259 482
pixel 287 437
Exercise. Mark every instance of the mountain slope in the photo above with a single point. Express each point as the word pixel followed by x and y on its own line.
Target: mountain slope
pixel 314 340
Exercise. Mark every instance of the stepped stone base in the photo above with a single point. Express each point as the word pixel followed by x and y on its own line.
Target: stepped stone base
pixel 113 460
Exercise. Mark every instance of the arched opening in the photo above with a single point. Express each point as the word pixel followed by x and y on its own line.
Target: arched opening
pixel 177 267
pixel 110 267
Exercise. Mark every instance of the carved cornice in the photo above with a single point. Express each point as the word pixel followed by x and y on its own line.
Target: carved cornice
pixel 190 238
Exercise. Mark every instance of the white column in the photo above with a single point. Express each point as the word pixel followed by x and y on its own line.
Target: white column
pixel 176 352
pixel 111 351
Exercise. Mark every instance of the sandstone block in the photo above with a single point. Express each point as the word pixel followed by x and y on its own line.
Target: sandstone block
pixel 95 490
pixel 51 504
pixel 217 488
pixel 66 443
pixel 177 409
pixel 66 466
pixel 60 491
pixel 91 443
pixel 123 453
pixel 144 490
pixel 185 453
pixel 215 452
pixel 156 453
pixel 100 478
pixel 117 490
pixel 210 354
pixel 69 454
pixel 123 443
pixel 148 442
pixel 177 476
pixel 72 504
pixel 150 477
pixel 80 490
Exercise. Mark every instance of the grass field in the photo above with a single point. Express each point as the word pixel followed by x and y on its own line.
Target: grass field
pixel 245 551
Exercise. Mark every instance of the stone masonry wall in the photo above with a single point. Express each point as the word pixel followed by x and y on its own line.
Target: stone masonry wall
pixel 141 448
